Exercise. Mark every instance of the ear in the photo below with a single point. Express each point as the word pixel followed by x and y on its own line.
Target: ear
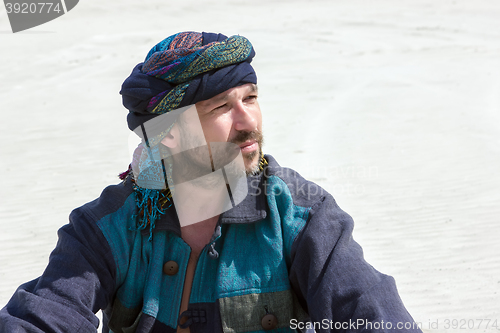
pixel 171 139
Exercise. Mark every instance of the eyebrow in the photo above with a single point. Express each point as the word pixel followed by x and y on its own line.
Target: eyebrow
pixel 253 89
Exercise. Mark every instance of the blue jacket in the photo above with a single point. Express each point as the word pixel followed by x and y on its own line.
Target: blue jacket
pixel 283 255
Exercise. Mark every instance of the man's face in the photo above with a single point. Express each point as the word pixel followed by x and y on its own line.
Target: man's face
pixel 234 116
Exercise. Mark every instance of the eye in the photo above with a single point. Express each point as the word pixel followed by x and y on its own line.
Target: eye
pixel 220 107
pixel 251 98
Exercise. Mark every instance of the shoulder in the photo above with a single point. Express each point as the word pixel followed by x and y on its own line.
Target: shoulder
pixel 113 199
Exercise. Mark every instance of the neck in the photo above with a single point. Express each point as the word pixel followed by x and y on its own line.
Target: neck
pixel 195 204
pixel 198 235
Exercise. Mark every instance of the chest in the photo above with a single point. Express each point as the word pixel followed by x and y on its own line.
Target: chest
pixel 237 288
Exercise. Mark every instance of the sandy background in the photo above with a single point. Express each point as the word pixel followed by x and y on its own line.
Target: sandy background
pixel 391 105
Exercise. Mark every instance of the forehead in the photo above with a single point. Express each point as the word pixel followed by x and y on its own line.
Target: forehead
pixel 226 95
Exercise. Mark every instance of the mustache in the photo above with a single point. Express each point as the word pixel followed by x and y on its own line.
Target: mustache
pixel 244 136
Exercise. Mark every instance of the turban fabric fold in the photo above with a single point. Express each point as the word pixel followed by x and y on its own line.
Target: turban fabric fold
pixel 184 69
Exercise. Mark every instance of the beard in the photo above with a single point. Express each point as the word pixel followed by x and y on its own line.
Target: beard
pixel 198 161
pixel 253 158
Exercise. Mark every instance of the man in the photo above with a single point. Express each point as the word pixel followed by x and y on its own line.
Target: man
pixel 183 244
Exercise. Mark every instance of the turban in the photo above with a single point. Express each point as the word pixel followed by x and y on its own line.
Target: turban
pixel 184 69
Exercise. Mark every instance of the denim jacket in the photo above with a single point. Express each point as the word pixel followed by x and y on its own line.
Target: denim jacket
pixel 282 257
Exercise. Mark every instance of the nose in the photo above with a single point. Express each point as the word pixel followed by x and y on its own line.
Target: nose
pixel 245 117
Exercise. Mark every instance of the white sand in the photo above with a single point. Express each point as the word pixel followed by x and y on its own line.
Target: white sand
pixel 393 106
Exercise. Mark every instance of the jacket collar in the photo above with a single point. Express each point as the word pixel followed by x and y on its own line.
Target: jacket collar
pixel 254 207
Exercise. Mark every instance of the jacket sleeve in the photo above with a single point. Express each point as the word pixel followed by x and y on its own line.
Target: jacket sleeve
pixel 334 282
pixel 78 281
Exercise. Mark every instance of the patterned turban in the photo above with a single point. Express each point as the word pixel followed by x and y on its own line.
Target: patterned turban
pixel 184 69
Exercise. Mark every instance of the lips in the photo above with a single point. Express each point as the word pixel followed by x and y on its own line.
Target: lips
pixel 248 146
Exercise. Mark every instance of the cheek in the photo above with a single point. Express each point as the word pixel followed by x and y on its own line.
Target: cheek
pixel 258 118
pixel 217 130
pixel 260 121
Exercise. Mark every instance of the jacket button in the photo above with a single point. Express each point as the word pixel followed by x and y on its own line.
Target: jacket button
pixel 170 268
pixel 269 322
